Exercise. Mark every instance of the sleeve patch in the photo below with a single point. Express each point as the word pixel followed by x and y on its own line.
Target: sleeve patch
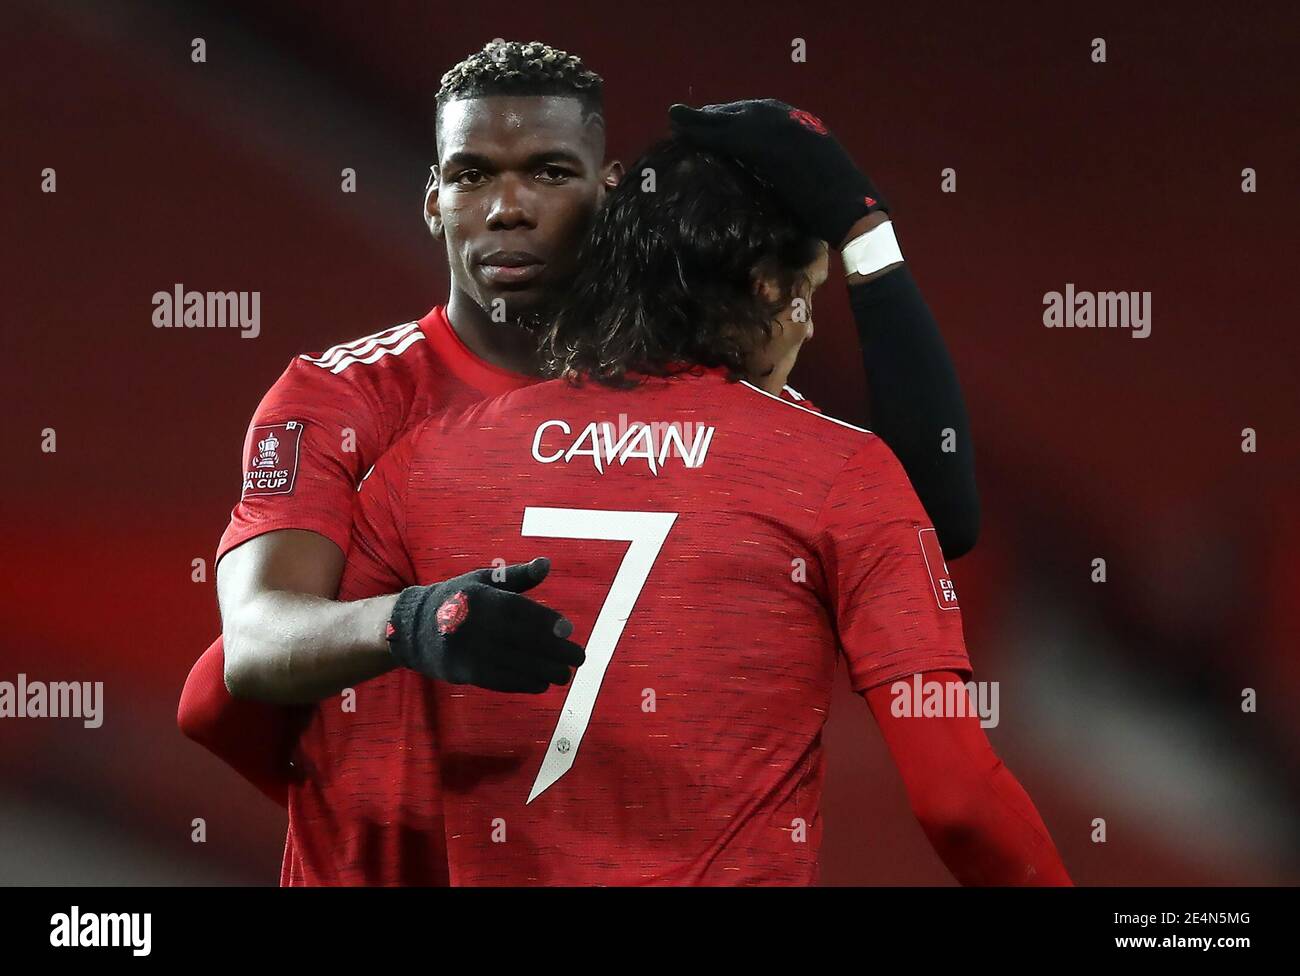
pixel 272 463
pixel 940 580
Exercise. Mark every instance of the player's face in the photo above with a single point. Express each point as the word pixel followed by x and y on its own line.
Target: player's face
pixel 518 181
pixel 770 366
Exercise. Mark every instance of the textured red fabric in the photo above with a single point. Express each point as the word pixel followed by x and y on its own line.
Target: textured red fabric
pixel 720 585
pixel 352 401
pixel 975 813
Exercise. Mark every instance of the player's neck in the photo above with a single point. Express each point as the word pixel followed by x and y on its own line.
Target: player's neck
pixel 500 343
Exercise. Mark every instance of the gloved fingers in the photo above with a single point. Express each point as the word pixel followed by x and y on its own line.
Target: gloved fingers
pixel 519 645
pixel 687 117
pixel 719 113
pixel 498 677
pixel 515 615
pixel 521 577
pixel 712 133
pixel 549 660
pixel 517 626
pixel 565 653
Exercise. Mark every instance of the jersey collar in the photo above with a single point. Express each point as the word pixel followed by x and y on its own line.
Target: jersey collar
pixel 463 363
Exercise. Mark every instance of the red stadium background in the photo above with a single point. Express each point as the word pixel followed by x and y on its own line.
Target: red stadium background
pixel 1120 701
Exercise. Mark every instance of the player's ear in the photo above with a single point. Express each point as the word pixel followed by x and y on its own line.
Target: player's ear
pixel 610 177
pixel 432 215
pixel 764 285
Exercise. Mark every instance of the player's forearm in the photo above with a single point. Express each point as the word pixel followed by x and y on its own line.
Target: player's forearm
pixel 916 405
pixel 999 840
pixel 295 648
pixel 977 816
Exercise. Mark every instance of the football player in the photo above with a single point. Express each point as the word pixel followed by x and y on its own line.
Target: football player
pixel 716 554
pixel 521 172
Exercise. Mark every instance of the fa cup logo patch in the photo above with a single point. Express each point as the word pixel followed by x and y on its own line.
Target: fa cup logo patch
pixel 272 459
pixel 944 591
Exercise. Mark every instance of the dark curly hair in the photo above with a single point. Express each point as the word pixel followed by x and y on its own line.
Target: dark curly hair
pixel 666 272
pixel 523 68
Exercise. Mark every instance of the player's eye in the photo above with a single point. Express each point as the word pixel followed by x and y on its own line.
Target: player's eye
pixel 554 174
pixel 469 177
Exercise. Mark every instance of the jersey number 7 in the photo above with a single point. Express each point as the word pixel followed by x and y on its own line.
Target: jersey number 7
pixel 646 531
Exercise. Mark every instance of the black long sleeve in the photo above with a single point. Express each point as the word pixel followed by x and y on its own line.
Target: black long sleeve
pixel 914 397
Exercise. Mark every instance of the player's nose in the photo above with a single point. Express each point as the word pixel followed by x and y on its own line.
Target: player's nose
pixel 511 206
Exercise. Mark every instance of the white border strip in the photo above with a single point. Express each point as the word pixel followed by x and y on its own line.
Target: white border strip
pixel 773 396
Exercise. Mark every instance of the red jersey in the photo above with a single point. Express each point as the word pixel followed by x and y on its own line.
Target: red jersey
pixel 312 439
pixel 329 417
pixel 717 549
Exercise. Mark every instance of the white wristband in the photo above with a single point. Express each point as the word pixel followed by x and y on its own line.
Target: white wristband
pixel 869 252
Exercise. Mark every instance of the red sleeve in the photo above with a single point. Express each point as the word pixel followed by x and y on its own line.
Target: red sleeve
pixel 895 608
pixel 976 814
pixel 310 442
pixel 254 739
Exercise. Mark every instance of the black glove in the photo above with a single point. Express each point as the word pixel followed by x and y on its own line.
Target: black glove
pixel 793 151
pixel 471 630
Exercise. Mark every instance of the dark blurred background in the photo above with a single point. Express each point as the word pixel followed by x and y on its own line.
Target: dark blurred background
pixel 1119 700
